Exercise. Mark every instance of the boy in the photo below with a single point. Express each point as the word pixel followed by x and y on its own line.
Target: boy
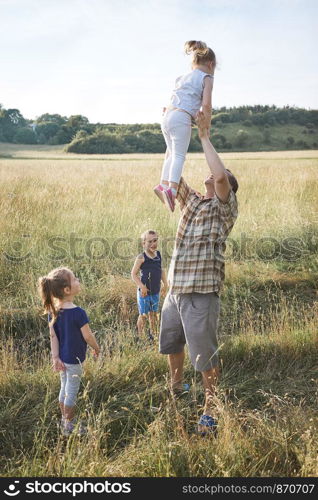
pixel 148 265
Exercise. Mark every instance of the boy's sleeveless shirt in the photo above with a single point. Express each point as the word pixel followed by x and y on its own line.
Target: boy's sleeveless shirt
pixel 72 345
pixel 151 273
pixel 188 91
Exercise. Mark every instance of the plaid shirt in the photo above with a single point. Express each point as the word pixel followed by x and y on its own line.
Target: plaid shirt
pixel 197 263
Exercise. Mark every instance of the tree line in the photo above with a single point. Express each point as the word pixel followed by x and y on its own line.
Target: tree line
pixel 237 128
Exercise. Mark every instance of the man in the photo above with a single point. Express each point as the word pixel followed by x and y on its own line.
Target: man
pixel 191 309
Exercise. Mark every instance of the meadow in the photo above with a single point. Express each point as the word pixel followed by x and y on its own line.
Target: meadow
pixel 87 212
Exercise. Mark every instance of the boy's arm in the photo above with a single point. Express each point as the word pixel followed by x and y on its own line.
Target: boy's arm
pixel 135 275
pixel 58 364
pixel 90 338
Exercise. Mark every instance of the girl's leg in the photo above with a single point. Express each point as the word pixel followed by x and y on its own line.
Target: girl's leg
pixel 167 161
pixel 62 392
pixel 180 135
pixel 73 380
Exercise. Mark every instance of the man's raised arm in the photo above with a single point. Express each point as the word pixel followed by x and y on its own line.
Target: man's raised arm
pixel 221 181
pixel 183 193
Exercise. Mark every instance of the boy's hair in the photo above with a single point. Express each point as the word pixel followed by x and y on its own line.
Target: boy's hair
pixel 201 53
pixel 52 286
pixel 144 235
pixel 233 180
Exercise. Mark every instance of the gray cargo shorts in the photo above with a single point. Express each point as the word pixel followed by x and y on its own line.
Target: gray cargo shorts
pixel 192 319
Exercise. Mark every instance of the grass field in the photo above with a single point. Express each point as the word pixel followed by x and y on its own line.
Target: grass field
pixel 87 213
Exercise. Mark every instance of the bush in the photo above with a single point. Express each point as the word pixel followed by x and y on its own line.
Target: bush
pixel 97 144
pixel 219 141
pixel 290 142
pixel 302 144
pixel 241 138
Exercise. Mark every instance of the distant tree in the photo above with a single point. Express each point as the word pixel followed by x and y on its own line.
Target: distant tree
pixel 77 121
pixel 10 121
pixel 47 129
pixel 25 135
pixel 48 118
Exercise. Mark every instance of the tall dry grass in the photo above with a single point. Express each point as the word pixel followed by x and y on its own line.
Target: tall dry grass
pixel 266 403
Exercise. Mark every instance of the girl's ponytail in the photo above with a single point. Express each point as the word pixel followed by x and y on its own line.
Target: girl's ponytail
pixel 45 290
pixel 52 286
pixel 201 53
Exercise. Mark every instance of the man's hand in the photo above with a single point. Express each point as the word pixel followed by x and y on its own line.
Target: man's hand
pixel 203 125
pixel 164 290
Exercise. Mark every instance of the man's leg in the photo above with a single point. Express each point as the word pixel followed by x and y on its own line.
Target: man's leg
pixel 172 339
pixel 210 380
pixel 199 314
pixel 176 369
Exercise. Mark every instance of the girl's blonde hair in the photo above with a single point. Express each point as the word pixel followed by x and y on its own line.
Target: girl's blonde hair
pixel 201 53
pixel 52 286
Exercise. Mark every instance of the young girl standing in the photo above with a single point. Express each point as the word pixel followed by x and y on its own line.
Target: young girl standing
pixel 192 92
pixel 69 333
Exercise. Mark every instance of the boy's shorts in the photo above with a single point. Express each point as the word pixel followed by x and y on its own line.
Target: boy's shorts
pixel 148 304
pixel 192 319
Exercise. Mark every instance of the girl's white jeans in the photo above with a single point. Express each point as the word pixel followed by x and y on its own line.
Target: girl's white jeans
pixel 176 129
pixel 70 383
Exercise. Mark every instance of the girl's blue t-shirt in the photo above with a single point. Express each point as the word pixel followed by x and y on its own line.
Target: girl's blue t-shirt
pixel 72 345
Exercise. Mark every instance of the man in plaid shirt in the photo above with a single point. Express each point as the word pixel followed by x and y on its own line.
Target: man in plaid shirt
pixel 191 309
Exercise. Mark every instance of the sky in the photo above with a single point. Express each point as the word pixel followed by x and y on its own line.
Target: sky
pixel 117 60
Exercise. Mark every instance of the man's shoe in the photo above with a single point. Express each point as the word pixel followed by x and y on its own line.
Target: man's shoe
pixel 179 392
pixel 169 199
pixel 208 426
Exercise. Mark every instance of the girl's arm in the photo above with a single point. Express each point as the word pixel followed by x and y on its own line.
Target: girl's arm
pixel 90 338
pixel 207 100
pixel 58 364
pixel 135 275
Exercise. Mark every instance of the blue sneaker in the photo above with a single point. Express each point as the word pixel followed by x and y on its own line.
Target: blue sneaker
pixel 210 425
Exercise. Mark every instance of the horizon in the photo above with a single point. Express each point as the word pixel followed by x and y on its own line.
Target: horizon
pixel 153 123
pixel 117 63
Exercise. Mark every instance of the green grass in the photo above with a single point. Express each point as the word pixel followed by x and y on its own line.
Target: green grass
pixel 266 402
